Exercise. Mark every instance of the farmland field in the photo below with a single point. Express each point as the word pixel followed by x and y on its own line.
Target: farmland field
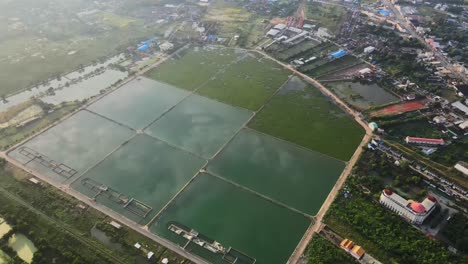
pixel 247 83
pixel 231 76
pixel 192 68
pixel 299 113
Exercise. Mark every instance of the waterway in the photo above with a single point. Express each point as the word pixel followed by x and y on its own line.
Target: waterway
pixel 78 89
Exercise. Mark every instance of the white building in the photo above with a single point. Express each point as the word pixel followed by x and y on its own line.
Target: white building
pixel 166 46
pixel 369 49
pixel 462 167
pixel 413 211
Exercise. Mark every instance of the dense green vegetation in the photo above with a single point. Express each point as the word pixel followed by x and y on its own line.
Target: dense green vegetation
pixel 322 251
pixel 453 153
pixel 61 230
pixel 328 16
pixel 456 231
pixel 382 233
pixel 248 83
pixel 375 171
pixel 301 114
pixel 413 128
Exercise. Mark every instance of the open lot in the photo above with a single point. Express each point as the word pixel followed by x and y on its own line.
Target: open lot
pixel 399 108
pixel 231 216
pixel 287 173
pixel 301 114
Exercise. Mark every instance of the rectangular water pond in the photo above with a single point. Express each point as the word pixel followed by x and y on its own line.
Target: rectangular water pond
pixel 362 95
pixel 222 212
pixel 287 173
pixel 139 102
pixel 199 125
pixel 66 150
pixel 138 179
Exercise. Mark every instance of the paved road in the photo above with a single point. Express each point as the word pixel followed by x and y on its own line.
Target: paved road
pixel 409 28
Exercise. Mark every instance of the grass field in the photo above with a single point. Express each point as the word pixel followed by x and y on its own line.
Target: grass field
pixel 287 173
pixel 192 68
pixel 247 83
pixel 299 113
pixel 235 218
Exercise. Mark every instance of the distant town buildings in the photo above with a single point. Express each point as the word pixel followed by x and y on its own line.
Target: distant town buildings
pixel 424 141
pixel 411 210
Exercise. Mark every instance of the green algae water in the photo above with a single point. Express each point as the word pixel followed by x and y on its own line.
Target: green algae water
pixel 139 102
pixel 290 174
pixel 78 142
pixel 199 125
pixel 144 169
pixel 235 218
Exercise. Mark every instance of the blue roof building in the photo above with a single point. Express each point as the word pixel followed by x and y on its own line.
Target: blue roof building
pixel 143 47
pixel 384 12
pixel 338 54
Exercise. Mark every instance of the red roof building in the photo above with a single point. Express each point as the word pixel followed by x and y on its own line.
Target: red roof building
pixel 413 211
